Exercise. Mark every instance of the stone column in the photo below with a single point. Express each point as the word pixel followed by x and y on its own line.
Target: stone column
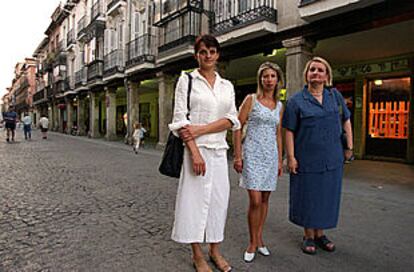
pixel 94 115
pixel 69 112
pixel 298 53
pixel 132 107
pixel 165 106
pixel 110 101
pixel 81 116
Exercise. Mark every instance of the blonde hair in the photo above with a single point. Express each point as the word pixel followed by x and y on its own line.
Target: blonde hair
pixel 328 82
pixel 280 78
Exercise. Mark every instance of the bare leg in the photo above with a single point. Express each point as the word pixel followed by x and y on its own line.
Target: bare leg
pixel 264 207
pixel 253 218
pixel 217 258
pixel 199 262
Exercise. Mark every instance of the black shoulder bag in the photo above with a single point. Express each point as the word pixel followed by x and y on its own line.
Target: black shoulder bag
pixel 172 158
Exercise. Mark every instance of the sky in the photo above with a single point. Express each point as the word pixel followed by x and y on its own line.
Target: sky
pixel 22 27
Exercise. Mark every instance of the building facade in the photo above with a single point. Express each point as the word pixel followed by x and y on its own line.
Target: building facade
pixel 115 62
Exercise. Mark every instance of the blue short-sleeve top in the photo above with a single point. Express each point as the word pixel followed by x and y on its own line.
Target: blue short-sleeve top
pixel 317 129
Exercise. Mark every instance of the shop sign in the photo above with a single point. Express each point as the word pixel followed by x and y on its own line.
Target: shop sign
pixel 373 68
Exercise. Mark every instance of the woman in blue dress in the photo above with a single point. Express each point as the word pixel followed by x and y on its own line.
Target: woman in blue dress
pixel 314 119
pixel 260 158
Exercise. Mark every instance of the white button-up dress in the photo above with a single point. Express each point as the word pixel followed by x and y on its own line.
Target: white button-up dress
pixel 202 201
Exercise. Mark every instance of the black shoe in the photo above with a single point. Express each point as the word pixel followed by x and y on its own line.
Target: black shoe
pixel 323 243
pixel 7 140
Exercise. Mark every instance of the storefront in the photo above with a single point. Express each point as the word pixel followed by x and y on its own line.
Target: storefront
pixel 379 95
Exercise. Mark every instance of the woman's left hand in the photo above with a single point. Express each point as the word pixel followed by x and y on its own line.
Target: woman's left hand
pixel 190 132
pixel 348 154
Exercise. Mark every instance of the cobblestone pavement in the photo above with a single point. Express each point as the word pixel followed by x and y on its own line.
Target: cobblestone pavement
pixel 76 204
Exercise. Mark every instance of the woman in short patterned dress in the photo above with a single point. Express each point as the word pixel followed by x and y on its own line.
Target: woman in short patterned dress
pixel 261 162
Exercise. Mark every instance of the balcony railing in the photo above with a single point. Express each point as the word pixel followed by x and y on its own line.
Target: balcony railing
pixel 82 25
pixel 81 77
pixel 70 38
pixel 49 92
pixel 95 70
pixel 114 62
pixel 97 10
pixel 39 95
pixel 166 11
pixel 113 3
pixel 174 34
pixel 140 50
pixel 40 85
pixel 234 14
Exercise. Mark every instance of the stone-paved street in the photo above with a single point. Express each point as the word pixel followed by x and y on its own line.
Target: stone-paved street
pixel 76 204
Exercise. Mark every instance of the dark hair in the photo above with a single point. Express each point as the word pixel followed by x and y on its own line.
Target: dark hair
pixel 208 40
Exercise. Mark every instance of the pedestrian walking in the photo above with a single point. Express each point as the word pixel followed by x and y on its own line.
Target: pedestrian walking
pixel 10 118
pixel 315 154
pixel 203 190
pixel 27 126
pixel 44 126
pixel 138 136
pixel 259 159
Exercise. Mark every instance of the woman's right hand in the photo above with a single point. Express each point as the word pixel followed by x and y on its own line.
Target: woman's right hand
pixel 199 166
pixel 293 165
pixel 238 165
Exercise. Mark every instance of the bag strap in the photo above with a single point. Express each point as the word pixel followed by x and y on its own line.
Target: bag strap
pixel 190 86
pixel 253 102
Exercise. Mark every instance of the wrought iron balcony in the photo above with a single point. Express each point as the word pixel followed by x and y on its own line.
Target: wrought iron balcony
pixel 40 85
pixel 141 50
pixel 95 70
pixel 168 10
pixel 114 62
pixel 178 32
pixel 70 38
pixel 97 10
pixel 81 77
pixel 82 23
pixel 243 13
pixel 39 95
pixel 113 3
pixel 49 92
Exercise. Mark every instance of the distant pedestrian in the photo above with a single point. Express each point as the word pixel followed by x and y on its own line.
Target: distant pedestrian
pixel 27 126
pixel 138 136
pixel 10 118
pixel 315 154
pixel 44 126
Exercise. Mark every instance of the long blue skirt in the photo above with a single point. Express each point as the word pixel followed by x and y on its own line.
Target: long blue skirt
pixel 315 199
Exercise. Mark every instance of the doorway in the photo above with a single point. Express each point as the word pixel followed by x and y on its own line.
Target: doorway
pixel 388 105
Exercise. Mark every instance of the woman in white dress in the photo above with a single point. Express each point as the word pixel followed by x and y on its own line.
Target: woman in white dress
pixel 203 190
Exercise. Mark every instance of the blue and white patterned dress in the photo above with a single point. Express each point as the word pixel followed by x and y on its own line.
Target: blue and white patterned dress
pixel 260 154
